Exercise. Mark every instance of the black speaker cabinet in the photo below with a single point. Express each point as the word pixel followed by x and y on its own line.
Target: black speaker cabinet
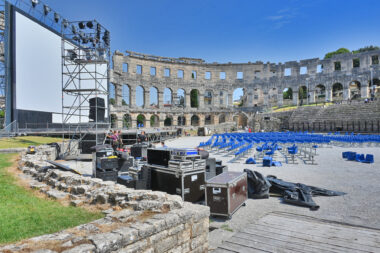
pixel 97 109
pixel 159 156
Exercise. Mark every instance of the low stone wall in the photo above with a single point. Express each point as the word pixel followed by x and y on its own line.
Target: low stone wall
pixel 135 221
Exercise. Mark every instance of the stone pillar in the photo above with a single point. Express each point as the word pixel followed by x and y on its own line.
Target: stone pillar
pixel 346 93
pixel 201 100
pixel 132 103
pixel 364 91
pixel 266 99
pixel 280 99
pixel 311 96
pixel 295 97
pixel 216 119
pixel 188 119
pixel 329 94
pixel 201 120
pixel 230 100
pixel 187 100
pixel 160 101
pixel 118 94
pixel 175 121
pixel 146 98
pixel 161 122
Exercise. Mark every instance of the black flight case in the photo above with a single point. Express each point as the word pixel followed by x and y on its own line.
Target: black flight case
pixel 188 183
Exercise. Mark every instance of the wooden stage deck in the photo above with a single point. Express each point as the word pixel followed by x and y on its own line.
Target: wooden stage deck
pixel 286 232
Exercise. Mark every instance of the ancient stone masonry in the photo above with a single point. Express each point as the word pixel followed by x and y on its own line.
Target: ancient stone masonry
pixel 136 221
pixel 139 77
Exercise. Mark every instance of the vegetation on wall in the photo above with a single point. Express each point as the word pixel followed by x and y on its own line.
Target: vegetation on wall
pixel 345 50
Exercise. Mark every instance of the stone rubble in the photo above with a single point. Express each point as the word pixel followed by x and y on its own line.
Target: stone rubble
pixel 144 220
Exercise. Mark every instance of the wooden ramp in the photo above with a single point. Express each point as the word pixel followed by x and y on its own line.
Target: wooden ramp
pixel 285 232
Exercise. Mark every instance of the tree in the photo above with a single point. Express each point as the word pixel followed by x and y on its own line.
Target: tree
pixel 112 101
pixel 194 98
pixel 302 92
pixel 140 119
pixel 123 102
pixel 288 94
pixel 339 51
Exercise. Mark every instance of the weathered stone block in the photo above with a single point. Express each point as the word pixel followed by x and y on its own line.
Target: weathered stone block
pixel 83 248
pixel 106 242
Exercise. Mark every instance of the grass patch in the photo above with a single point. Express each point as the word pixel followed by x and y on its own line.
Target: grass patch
pixel 23 215
pixel 227 228
pixel 25 141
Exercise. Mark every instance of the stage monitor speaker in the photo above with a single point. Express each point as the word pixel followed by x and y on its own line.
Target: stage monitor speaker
pixel 97 109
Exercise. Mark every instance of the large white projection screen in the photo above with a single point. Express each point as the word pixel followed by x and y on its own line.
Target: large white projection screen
pixel 38 67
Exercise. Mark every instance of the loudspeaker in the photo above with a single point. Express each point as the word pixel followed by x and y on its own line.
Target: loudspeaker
pixel 97 109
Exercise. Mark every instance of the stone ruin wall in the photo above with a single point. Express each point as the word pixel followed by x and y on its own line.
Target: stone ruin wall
pixel 263 85
pixel 135 221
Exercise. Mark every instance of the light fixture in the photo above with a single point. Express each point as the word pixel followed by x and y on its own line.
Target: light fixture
pixel 72 54
pixel 90 24
pixel 98 31
pixel 76 38
pixel 34 3
pixel 81 25
pixel 65 23
pixel 56 17
pixel 74 29
pixel 106 38
pixel 47 9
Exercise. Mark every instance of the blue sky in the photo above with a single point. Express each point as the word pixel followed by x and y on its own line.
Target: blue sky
pixel 234 30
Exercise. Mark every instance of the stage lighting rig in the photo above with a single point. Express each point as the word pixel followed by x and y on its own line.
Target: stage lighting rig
pixel 34 3
pixel 47 9
pixel 90 24
pixel 72 54
pixel 81 25
pixel 56 17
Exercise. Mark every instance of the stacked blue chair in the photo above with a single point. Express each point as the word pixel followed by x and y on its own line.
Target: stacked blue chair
pixel 369 159
pixel 250 160
pixel 267 161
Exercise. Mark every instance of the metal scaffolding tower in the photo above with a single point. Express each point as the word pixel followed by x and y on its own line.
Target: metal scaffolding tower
pixel 85 81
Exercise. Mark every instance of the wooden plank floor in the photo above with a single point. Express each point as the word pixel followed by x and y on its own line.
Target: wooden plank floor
pixel 286 232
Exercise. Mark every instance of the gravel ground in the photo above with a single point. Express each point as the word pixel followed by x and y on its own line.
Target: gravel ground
pixel 360 206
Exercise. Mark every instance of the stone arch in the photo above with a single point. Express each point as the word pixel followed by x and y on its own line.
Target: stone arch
pixel 195 120
pixel 241 119
pixel 180 98
pixel 168 121
pixel 141 120
pixel 375 90
pixel 181 121
pixel 239 97
pixel 354 89
pixel 112 94
pixel 140 96
pixel 287 96
pixel 126 95
pixel 153 97
pixel 154 121
pixel 209 119
pixel 168 97
pixel 222 118
pixel 208 97
pixel 113 120
pixel 320 93
pixel 337 91
pixel 302 92
pixel 194 98
pixel 127 121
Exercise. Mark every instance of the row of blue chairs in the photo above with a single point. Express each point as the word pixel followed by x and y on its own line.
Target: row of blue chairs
pixel 353 156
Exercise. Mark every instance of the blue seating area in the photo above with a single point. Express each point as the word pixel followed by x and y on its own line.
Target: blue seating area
pixel 353 156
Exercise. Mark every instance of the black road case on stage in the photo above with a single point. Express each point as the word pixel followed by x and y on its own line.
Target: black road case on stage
pixel 189 184
pixel 226 192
